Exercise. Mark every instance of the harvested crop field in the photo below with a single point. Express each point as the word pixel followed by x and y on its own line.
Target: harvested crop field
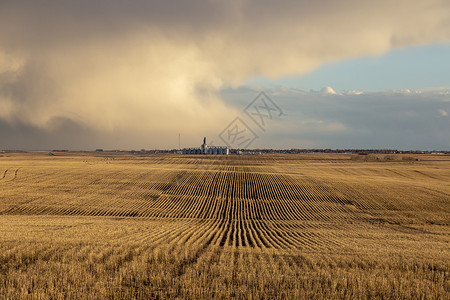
pixel 90 225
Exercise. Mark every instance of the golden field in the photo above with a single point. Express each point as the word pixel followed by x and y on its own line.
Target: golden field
pixel 104 225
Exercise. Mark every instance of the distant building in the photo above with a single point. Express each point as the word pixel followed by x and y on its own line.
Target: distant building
pixel 204 149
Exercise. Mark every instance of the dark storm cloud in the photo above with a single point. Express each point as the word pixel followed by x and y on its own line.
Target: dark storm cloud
pixel 26 137
pixel 157 66
pixel 392 120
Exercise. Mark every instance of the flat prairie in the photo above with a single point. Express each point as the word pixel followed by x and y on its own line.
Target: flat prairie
pixel 322 226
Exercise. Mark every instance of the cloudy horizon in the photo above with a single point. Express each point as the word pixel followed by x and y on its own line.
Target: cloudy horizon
pixel 114 75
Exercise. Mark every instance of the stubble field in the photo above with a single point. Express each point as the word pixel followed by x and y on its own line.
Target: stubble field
pixel 269 226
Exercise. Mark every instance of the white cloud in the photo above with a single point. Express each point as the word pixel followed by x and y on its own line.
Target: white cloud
pixel 443 113
pixel 354 92
pixel 328 90
pixel 403 91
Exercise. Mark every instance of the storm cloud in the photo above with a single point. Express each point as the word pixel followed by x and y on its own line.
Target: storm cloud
pixel 403 119
pixel 155 68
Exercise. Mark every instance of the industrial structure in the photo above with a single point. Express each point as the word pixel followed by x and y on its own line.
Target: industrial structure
pixel 204 149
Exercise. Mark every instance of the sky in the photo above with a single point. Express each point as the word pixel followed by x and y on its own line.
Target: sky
pixel 82 75
pixel 409 67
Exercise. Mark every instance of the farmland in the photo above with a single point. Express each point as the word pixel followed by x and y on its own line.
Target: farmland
pixel 83 225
